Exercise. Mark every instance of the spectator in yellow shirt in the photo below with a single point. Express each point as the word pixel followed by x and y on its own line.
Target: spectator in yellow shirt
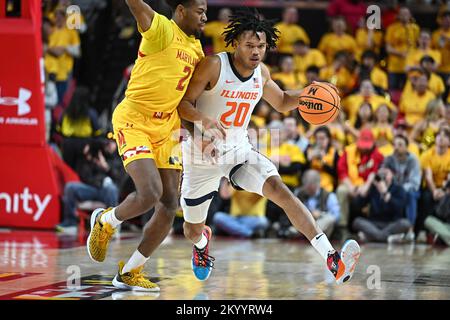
pixel 247 216
pixel 304 57
pixel 366 93
pixel 423 49
pixel 339 73
pixel 337 40
pixel 323 157
pixel 63 47
pixel 436 167
pixel 424 132
pixel 364 120
pixel 383 130
pixel 368 39
pixel 288 75
pixel 370 70
pixel 312 74
pixel 288 157
pixel 441 42
pixel 290 31
pixel 413 104
pixel 401 37
pixel 215 29
pixel 436 84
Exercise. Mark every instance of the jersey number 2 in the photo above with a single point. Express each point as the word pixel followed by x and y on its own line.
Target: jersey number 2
pixel 240 114
pixel 188 71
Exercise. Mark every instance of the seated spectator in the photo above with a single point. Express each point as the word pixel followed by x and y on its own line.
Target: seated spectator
pixel 387 199
pixel 337 40
pixel 370 70
pixel 288 75
pixel 290 161
pixel 247 216
pixel 323 205
pixel 401 128
pixel 383 130
pixel 96 184
pixel 339 73
pixel 424 132
pixel 323 157
pixel 289 158
pixel 312 74
pixel 261 113
pixel 436 84
pixel 413 104
pixel 355 165
pixel 305 57
pixel 368 40
pixel 214 30
pixel 293 133
pixel 435 165
pixel 364 120
pixel 441 42
pixel 78 124
pixel 366 93
pixel 401 37
pixel 423 49
pixel 290 31
pixel 439 222
pixel 407 173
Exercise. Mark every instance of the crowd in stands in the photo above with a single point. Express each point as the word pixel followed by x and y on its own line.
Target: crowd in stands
pixel 380 171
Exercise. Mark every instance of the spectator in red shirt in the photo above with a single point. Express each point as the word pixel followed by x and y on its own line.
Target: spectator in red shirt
pixel 355 165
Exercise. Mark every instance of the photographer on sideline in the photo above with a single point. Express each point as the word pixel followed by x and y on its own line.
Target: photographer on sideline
pixel 96 184
pixel 386 221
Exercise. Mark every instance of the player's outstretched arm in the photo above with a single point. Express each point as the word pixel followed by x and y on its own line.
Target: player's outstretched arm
pixel 142 12
pixel 205 76
pixel 280 100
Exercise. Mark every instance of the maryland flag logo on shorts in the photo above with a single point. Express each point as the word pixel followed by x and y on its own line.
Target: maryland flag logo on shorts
pixel 121 140
pixel 135 151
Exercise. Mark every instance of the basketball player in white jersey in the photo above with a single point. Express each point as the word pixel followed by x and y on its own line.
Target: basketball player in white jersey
pixel 225 88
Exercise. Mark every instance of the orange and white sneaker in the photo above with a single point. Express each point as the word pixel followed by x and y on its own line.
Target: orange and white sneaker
pixel 99 236
pixel 343 265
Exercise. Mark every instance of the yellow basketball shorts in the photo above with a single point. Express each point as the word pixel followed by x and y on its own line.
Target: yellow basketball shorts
pixel 141 136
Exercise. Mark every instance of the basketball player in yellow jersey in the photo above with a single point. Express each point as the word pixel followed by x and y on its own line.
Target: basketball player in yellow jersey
pixel 146 126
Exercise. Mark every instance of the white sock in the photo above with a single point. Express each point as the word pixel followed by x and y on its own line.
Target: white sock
pixel 110 218
pixel 321 243
pixel 202 243
pixel 136 260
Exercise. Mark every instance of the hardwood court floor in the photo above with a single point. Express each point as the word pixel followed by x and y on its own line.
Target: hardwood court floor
pixel 42 265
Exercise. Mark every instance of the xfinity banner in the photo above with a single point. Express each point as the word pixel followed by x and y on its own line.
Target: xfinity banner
pixel 29 195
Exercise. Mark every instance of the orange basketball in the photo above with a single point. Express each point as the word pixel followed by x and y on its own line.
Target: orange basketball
pixel 319 103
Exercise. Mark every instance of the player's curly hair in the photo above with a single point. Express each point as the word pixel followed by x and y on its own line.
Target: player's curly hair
pixel 173 4
pixel 250 20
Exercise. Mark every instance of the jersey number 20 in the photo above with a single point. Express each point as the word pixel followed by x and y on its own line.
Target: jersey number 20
pixel 239 115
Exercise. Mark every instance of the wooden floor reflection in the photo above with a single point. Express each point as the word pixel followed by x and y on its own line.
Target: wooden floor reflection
pixel 244 269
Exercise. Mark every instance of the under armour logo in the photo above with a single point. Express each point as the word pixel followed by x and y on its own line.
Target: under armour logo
pixel 20 101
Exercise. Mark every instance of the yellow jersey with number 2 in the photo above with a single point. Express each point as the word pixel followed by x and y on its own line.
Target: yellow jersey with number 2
pixel 164 67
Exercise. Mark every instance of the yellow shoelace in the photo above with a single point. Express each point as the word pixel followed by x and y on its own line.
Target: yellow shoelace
pixel 106 233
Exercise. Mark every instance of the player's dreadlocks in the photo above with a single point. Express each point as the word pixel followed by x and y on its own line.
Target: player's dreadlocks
pixel 249 20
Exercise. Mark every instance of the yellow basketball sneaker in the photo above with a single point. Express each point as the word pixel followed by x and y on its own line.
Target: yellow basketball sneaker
pixel 134 280
pixel 99 236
